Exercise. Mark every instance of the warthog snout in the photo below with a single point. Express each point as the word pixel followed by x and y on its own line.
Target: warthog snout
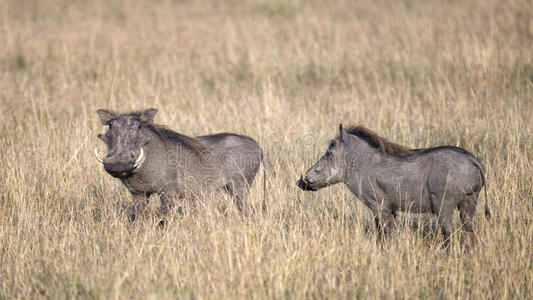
pixel 116 167
pixel 304 183
pixel 300 183
pixel 119 170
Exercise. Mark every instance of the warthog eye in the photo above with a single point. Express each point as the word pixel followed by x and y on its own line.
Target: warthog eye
pixel 332 144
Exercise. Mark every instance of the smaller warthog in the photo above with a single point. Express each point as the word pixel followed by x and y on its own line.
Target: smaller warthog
pixel 150 159
pixel 389 178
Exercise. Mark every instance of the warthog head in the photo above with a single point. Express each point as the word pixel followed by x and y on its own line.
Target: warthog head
pixel 124 139
pixel 330 167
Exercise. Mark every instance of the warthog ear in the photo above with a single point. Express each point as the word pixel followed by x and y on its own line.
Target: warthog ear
pixel 106 116
pixel 342 132
pixel 148 115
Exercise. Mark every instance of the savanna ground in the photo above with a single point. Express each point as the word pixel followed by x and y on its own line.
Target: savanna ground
pixel 286 73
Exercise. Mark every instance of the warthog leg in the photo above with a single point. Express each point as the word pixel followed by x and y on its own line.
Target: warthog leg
pixel 238 191
pixel 139 204
pixel 445 222
pixel 443 206
pixel 467 209
pixel 384 219
pixel 165 203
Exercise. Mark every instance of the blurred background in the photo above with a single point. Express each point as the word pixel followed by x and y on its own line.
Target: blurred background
pixel 420 73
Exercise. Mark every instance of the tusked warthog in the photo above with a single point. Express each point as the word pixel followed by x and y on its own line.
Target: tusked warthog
pixel 389 178
pixel 151 158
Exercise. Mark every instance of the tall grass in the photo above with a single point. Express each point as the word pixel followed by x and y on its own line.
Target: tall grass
pixel 421 73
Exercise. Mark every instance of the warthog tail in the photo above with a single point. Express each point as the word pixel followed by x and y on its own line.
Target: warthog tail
pixel 263 204
pixel 484 182
pixel 487 210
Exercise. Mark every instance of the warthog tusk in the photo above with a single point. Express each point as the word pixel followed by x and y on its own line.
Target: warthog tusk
pixel 98 158
pixel 304 178
pixel 140 159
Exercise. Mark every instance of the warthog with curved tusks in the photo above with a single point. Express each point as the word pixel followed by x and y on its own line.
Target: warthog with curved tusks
pixel 150 158
pixel 389 178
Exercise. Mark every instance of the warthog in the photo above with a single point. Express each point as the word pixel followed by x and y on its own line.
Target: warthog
pixel 151 158
pixel 389 178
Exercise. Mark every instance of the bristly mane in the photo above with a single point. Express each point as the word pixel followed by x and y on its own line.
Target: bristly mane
pixel 167 134
pixel 380 143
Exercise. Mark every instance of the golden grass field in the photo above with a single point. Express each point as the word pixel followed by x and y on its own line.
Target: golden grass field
pixel 421 73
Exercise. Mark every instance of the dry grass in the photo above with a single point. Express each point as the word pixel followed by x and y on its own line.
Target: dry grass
pixel 286 73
